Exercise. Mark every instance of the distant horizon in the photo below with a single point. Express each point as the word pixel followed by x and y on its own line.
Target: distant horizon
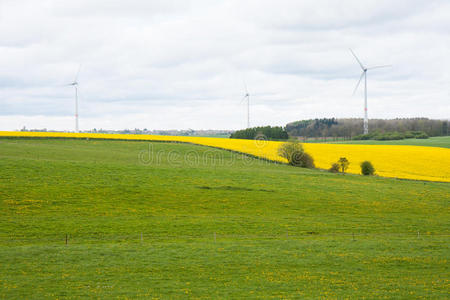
pixel 208 129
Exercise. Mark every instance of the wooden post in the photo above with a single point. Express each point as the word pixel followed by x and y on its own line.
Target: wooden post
pixel 66 238
pixel 353 236
pixel 142 237
pixel 214 237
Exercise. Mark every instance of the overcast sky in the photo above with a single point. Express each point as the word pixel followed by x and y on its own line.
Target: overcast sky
pixel 182 64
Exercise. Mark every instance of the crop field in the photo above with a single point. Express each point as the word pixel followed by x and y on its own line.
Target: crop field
pixel 397 161
pixel 87 218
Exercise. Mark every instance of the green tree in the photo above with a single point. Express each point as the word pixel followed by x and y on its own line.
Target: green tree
pixel 296 155
pixel 343 163
pixel 271 133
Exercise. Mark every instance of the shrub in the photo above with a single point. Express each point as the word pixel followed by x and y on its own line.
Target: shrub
pixel 409 135
pixel 334 168
pixel 287 150
pixel 396 136
pixel 389 136
pixel 307 161
pixel 362 137
pixel 422 135
pixel 295 155
pixel 367 168
pixel 343 164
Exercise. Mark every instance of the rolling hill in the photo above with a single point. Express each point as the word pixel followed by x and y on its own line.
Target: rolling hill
pixel 170 220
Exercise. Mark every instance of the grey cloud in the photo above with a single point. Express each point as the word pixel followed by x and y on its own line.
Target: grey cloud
pixel 183 63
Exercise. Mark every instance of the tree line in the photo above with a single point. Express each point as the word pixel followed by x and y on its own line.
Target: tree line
pixel 349 128
pixel 269 132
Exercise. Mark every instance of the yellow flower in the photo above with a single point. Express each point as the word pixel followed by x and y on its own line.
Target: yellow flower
pixel 409 162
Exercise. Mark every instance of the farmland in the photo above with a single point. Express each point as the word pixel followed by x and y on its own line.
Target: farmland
pixel 437 141
pixel 397 161
pixel 165 220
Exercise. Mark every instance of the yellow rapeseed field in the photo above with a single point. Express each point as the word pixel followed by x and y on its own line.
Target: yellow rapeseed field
pixel 408 162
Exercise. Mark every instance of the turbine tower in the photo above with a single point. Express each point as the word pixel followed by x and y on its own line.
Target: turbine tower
pixel 75 85
pixel 247 97
pixel 364 74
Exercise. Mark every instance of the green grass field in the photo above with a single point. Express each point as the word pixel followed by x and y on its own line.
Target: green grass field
pixel 437 141
pixel 167 220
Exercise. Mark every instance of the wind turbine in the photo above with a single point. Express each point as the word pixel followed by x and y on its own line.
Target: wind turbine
pixel 247 97
pixel 364 74
pixel 75 85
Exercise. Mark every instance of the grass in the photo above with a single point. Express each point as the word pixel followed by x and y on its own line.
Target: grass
pixel 437 141
pixel 169 220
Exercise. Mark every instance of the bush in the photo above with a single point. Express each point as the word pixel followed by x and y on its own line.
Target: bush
pixel 422 135
pixel 307 161
pixel 295 155
pixel 334 168
pixel 362 137
pixel 389 136
pixel 409 135
pixel 367 168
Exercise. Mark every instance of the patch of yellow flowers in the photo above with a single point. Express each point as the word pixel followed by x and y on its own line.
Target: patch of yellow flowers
pixel 408 162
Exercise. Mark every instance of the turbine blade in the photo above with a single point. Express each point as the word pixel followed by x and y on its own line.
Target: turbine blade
pixel 245 87
pixel 357 59
pixel 243 98
pixel 377 67
pixel 76 77
pixel 359 81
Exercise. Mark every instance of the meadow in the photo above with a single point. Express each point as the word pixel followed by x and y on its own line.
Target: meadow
pixel 436 141
pixel 397 161
pixel 170 220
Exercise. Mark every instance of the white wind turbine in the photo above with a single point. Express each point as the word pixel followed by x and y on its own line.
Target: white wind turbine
pixel 247 97
pixel 364 74
pixel 75 85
